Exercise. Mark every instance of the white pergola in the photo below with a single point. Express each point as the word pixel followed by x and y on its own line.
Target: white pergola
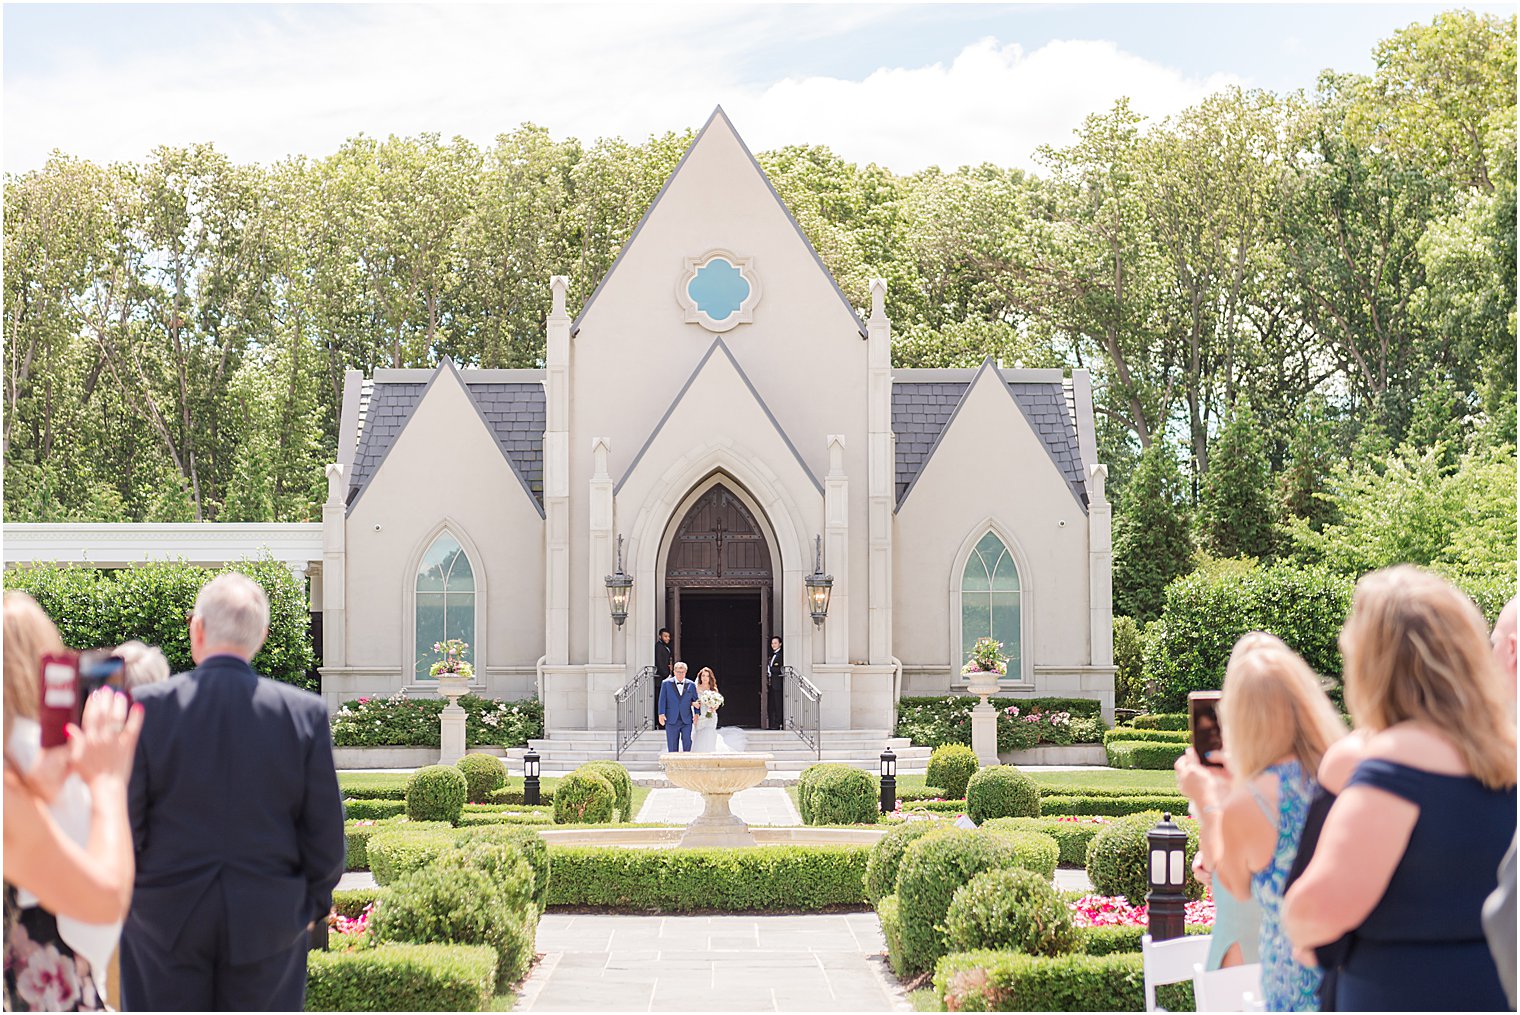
pixel 297 545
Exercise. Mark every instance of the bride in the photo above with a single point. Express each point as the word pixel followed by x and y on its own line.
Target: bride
pixel 704 735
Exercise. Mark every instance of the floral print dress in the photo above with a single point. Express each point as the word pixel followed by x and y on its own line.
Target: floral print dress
pixel 41 972
pixel 1286 984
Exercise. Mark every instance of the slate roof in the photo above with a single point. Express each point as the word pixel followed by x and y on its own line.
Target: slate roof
pixel 514 411
pixel 922 409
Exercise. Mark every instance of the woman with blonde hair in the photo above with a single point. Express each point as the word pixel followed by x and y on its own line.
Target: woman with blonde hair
pixel 68 848
pixel 1412 845
pixel 1276 725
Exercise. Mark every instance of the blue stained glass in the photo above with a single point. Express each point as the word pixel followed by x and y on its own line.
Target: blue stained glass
pixel 718 289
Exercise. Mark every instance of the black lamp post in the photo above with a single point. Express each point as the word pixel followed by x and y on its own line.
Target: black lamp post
pixel 618 587
pixel 819 587
pixel 530 778
pixel 888 781
pixel 1167 905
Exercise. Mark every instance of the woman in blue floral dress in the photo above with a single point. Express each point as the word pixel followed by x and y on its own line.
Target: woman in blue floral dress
pixel 1276 724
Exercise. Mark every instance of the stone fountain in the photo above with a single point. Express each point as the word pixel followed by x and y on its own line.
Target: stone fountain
pixel 717 777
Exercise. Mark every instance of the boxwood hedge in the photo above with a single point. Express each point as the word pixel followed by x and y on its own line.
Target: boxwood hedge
pixel 1010 981
pixel 1111 806
pixel 1154 736
pixel 753 879
pixel 402 977
pixel 1071 837
pixel 837 795
pixel 1143 754
pixel 1171 721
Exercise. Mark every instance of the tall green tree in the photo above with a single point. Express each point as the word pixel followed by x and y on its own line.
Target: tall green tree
pixel 1235 509
pixel 1152 541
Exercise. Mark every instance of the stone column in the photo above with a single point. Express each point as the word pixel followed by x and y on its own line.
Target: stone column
pixel 836 554
pixel 334 580
pixel 880 476
pixel 1100 581
pixel 557 514
pixel 451 722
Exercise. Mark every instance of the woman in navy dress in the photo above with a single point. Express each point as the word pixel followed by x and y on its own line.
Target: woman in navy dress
pixel 1412 846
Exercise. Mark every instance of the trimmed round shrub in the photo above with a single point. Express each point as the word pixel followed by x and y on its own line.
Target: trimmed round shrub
pixel 837 795
pixel 622 785
pixel 1118 857
pixel 950 768
pixel 1001 791
pixel 483 775
pixel 478 897
pixel 436 793
pixel 528 844
pixel 1035 851
pixel 1071 836
pixel 887 854
pixel 932 868
pixel 584 798
pixel 1014 910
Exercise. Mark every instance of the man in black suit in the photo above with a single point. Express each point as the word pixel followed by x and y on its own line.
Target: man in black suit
pixel 775 680
pixel 237 822
pixel 664 655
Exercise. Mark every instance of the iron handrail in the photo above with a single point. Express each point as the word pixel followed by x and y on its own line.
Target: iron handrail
pixel 635 708
pixel 803 703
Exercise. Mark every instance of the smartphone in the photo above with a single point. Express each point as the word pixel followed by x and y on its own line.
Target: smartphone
pixel 61 701
pixel 1203 722
pixel 99 668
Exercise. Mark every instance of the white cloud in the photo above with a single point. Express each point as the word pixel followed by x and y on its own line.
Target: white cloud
pixel 300 80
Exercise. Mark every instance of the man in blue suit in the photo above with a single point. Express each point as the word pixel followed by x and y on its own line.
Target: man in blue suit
pixel 678 696
pixel 237 822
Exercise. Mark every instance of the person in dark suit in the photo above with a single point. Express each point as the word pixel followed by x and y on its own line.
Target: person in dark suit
pixel 237 822
pixel 775 680
pixel 664 655
pixel 678 698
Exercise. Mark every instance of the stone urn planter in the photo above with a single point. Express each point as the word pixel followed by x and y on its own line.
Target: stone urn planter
pixel 451 722
pixel 717 777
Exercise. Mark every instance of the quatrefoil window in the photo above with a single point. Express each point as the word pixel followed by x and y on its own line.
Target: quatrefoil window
pixel 718 290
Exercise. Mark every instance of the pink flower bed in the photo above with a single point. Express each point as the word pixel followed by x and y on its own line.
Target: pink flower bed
pixel 1115 911
pixel 349 934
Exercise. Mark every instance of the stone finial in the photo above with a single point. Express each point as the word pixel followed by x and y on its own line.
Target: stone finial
pixel 836 454
pixel 601 449
pixel 558 285
pixel 878 298
pixel 1097 480
pixel 335 483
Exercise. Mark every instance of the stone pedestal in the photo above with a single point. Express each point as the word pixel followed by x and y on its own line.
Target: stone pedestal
pixel 451 722
pixel 984 733
pixel 717 777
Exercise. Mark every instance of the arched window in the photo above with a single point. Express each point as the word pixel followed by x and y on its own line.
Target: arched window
pixel 445 601
pixel 990 600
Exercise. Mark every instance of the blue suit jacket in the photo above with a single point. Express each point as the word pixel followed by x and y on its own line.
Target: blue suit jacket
pixel 676 703
pixel 233 790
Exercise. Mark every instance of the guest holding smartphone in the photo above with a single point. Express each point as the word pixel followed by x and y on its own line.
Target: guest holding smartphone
pixel 1276 725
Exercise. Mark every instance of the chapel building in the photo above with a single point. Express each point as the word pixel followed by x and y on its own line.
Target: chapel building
pixel 720 424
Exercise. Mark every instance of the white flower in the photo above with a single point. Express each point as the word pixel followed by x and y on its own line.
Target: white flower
pixel 49 981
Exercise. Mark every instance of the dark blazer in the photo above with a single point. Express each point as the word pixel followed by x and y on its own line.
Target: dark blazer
pixel 233 790
pixel 664 659
pixel 676 702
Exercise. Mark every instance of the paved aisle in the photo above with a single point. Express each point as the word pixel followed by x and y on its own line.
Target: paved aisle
pixel 827 962
pixel 762 805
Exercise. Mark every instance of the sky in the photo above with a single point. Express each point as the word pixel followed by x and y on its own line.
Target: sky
pixel 901 85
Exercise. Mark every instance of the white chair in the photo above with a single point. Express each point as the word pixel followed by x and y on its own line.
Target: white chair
pixel 1171 962
pixel 1233 988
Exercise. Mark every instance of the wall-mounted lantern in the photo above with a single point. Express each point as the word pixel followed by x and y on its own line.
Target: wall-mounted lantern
pixel 819 587
pixel 618 587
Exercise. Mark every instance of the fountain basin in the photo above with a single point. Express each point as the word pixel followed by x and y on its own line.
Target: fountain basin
pixel 717 777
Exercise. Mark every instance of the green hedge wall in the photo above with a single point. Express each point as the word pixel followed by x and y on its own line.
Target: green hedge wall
pixel 149 602
pixel 1119 733
pixel 1071 837
pixel 1111 806
pixel 350 902
pixel 373 810
pixel 754 879
pixel 1010 981
pixel 1116 940
pixel 1143 754
pixel 1207 611
pixel 401 977
pixel 1175 722
pixel 411 721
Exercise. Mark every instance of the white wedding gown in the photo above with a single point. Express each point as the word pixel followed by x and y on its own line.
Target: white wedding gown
pixel 705 738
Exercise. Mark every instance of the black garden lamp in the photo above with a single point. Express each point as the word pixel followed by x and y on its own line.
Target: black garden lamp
pixel 888 781
pixel 1167 904
pixel 819 587
pixel 618 587
pixel 530 778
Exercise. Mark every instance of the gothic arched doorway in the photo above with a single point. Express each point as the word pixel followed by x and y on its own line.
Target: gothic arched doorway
pixel 718 598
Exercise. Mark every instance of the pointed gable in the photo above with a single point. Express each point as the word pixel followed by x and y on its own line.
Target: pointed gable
pixel 719 174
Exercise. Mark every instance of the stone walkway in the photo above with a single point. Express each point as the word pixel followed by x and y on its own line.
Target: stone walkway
pixel 826 962
pixel 763 805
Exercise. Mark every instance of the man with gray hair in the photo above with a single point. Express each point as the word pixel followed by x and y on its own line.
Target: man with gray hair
pixel 237 821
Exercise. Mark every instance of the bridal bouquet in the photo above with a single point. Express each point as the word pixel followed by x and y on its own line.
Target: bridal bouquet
pixel 710 701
